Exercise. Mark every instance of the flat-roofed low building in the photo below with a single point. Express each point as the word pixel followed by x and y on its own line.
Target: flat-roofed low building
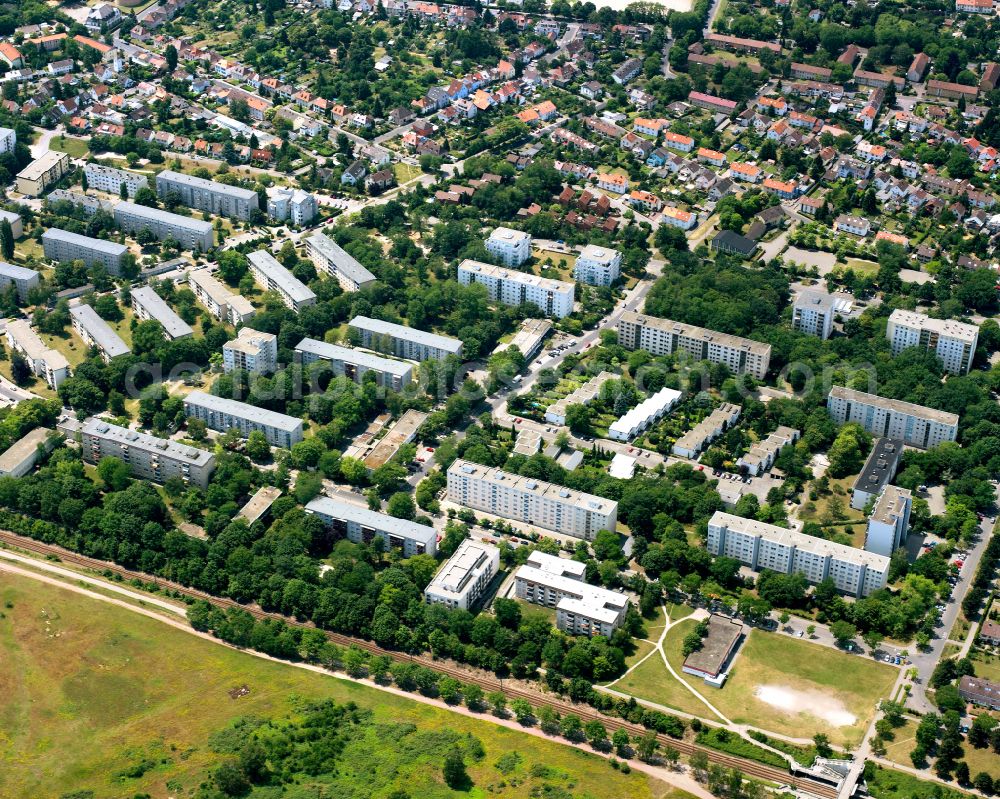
pixel 223 414
pixel 510 287
pixel 915 425
pixel 110 179
pixel 694 441
pixel 21 278
pixel 889 522
pixel 465 576
pixel 223 304
pixel 528 339
pixel 148 457
pixel 979 691
pixel 97 333
pixel 402 341
pixel 41 173
pixel 270 275
pixel 879 470
pixel 147 304
pixel 402 433
pixel 20 458
pixel 259 504
pixel 355 364
pixel 63 246
pixel 584 395
pixel 251 351
pixel 644 415
pixel 193 234
pixel 45 362
pixel 360 525
pixel 210 196
pixel 709 661
pixel 762 455
pixel 334 260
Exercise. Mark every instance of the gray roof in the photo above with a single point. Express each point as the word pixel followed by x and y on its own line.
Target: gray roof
pixel 407 333
pixel 291 285
pixel 157 308
pixel 15 272
pixel 348 511
pixel 881 466
pixel 344 262
pixel 107 339
pixel 207 185
pixel 243 410
pixel 333 352
pixel 895 406
pixel 21 450
pixel 197 225
pixel 98 245
pixel 136 440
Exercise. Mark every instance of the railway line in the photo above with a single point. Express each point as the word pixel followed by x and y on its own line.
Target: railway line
pixel 484 680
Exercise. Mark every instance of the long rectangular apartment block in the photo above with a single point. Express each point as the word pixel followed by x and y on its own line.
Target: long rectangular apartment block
pixel 330 257
pixel 764 546
pixel 272 276
pixel 510 287
pixel 465 576
pixel 109 179
pixel 355 364
pixel 149 457
pixel 360 525
pixel 665 337
pixel 193 234
pixel 95 332
pixel 147 304
pixel 47 363
pixel 915 425
pixel 953 342
pixel 402 341
pixel 22 278
pixel 208 195
pixel 530 501
pixel 223 304
pixel 222 414
pixel 62 245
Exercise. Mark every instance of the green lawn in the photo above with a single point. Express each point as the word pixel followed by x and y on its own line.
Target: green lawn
pixel 77 148
pixel 981 760
pixel 90 690
pixel 405 172
pixel 987 665
pixel 69 345
pixel 862 265
pixel 886 783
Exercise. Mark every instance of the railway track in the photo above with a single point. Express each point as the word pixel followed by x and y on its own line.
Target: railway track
pixel 484 680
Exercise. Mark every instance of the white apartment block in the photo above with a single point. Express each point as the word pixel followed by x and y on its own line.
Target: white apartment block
pixel 15 222
pixel 953 342
pixel 110 179
pixel 762 455
pixel 220 199
pixel 291 205
pixel 334 260
pixel 764 546
pixel 551 297
pixel 270 275
pixel 598 266
pixel 8 140
pixel 251 351
pixel 193 234
pixel 915 425
pixel 890 521
pixel 644 415
pixel 147 304
pixel 581 608
pixel 813 313
pixel 222 414
pixel 97 333
pixel 584 395
pixel 402 341
pixel 465 576
pixel 534 502
pixel 510 247
pixel 223 304
pixel 45 362
pixel 21 278
pixel 148 457
pixel 360 525
pixel 665 337
pixel 855 225
pixel 355 364
pixel 691 444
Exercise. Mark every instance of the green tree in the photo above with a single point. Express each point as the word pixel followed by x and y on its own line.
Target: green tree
pixel 453 771
pixel 401 506
pixel 257 448
pixel 6 240
pixel 114 473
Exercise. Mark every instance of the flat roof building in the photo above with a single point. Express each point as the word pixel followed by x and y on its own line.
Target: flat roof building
pixel 762 455
pixel 251 351
pixel 107 178
pixel 360 525
pixel 21 456
pixel 41 173
pixel 148 457
pixel 97 333
pixel 510 247
pixel 584 395
pixel 222 414
pixel 509 287
pixel 402 341
pixel 334 260
pixel 220 199
pixel 193 234
pixel 22 278
pixel 953 342
pixel 879 470
pixel 403 432
pixel 694 441
pixel 465 576
pixel 270 275
pixel 45 362
pixel 764 546
pixel 665 337
pixel 644 415
pixel 15 222
pixel 915 425
pixel 355 364
pixel 710 659
pixel 813 313
pixel 222 303
pixel 530 501
pixel 528 339
pixel 598 266
pixel 889 523
pixel 259 504
pixel 147 304
pixel 62 246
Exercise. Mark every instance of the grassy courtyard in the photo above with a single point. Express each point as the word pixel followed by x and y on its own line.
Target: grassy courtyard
pixel 94 694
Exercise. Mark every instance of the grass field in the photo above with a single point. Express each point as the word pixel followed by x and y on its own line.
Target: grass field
pixel 886 783
pixel 405 172
pixel 91 690
pixel 77 148
pixel 987 665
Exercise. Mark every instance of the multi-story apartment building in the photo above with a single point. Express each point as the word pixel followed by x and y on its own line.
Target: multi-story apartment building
pixel 581 608
pixel 465 576
pixel 110 179
pixel 953 342
pixel 193 234
pixel 355 364
pixel 48 364
pixel 148 457
pixel 510 247
pixel 224 305
pixel 251 351
pixel 147 304
pixel 598 266
pixel 915 425
pixel 764 546
pixel 330 257
pixel 8 140
pixel 207 195
pixel 41 173
pixel 61 245
pixel 360 525
pixel 890 521
pixel 402 341
pixel 95 332
pixel 22 278
pixel 222 414
pixel 665 337
pixel 551 297
pixel 813 313
pixel 15 222
pixel 272 276
pixel 291 205
pixel 530 501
